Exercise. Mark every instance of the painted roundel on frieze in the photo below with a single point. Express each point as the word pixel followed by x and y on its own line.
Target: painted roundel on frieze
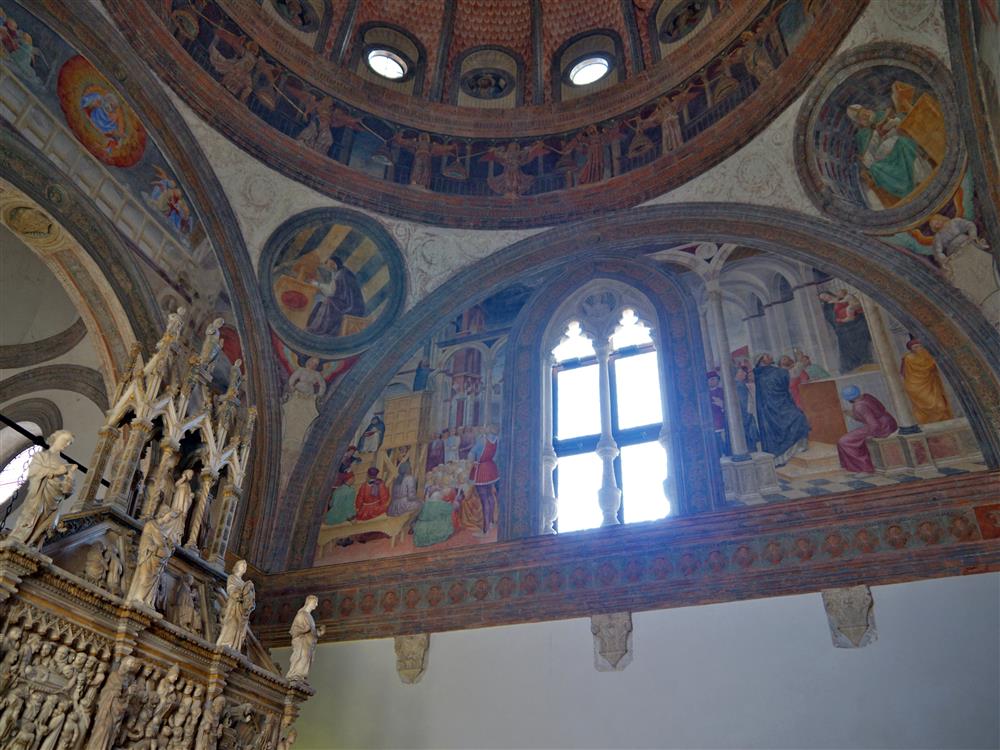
pixel 332 280
pixel 879 137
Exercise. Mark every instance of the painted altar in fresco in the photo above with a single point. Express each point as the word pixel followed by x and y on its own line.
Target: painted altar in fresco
pixel 424 457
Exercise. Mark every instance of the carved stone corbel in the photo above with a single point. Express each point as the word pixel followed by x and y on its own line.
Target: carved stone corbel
pixel 851 614
pixel 612 641
pixel 411 656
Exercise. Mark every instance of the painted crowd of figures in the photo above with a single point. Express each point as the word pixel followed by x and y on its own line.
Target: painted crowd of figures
pixel 774 420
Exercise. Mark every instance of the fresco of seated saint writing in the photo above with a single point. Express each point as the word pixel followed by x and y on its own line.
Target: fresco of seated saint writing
pixel 335 279
pixel 880 137
pixel 422 470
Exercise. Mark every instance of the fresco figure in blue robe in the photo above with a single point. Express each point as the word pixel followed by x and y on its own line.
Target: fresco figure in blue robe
pixel 784 429
pixel 742 374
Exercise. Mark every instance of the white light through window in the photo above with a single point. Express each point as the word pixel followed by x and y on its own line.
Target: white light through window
pixel 15 473
pixel 630 332
pixel 579 480
pixel 579 402
pixel 387 64
pixel 574 345
pixel 644 467
pixel 637 385
pixel 589 70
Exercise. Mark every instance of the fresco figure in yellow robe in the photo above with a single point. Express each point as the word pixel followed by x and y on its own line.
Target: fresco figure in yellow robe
pixel 923 385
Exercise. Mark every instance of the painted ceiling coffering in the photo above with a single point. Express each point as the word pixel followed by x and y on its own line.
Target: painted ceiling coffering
pixel 664 114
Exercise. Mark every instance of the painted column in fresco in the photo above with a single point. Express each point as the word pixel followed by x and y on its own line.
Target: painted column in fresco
pixel 889 362
pixel 609 496
pixel 734 417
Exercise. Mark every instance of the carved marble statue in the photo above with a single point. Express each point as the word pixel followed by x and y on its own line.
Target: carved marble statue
pixel 304 637
pixel 95 567
pixel 180 504
pixel 113 704
pixel 210 346
pixel 184 611
pixel 156 545
pixel 240 603
pixel 115 571
pixel 49 482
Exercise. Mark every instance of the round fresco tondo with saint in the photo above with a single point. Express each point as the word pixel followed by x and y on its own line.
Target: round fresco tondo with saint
pixel 880 138
pixel 98 115
pixel 332 280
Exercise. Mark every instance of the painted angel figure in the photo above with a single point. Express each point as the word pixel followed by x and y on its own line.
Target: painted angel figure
pixel 235 72
pixel 590 144
pixel 322 115
pixel 424 150
pixel 513 181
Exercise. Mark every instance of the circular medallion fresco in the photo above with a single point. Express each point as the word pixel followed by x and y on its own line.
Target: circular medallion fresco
pixel 332 280
pixel 878 138
pixel 98 116
pixel 487 83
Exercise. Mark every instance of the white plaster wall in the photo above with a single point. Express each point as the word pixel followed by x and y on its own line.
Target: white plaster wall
pixel 34 303
pixel 757 674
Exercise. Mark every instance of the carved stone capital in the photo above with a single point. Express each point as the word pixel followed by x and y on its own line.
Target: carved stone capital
pixel 411 656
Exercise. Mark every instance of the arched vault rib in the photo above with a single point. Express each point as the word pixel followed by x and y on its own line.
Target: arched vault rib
pixel 85 28
pixel 968 347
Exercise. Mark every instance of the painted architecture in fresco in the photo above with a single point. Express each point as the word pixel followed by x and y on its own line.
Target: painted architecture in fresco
pixel 841 394
pixel 422 470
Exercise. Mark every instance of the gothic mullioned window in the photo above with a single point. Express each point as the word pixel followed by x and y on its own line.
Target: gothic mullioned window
pixel 606 418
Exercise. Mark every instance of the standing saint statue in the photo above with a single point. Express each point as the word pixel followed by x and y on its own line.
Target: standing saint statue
pixel 241 599
pixel 180 504
pixel 304 634
pixel 50 481
pixel 156 545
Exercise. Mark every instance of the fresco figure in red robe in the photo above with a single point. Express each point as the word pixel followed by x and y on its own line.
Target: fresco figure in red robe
pixel 875 421
pixel 372 499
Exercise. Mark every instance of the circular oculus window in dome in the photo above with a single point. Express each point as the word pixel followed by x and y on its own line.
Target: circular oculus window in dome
pixel 589 70
pixel 387 63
